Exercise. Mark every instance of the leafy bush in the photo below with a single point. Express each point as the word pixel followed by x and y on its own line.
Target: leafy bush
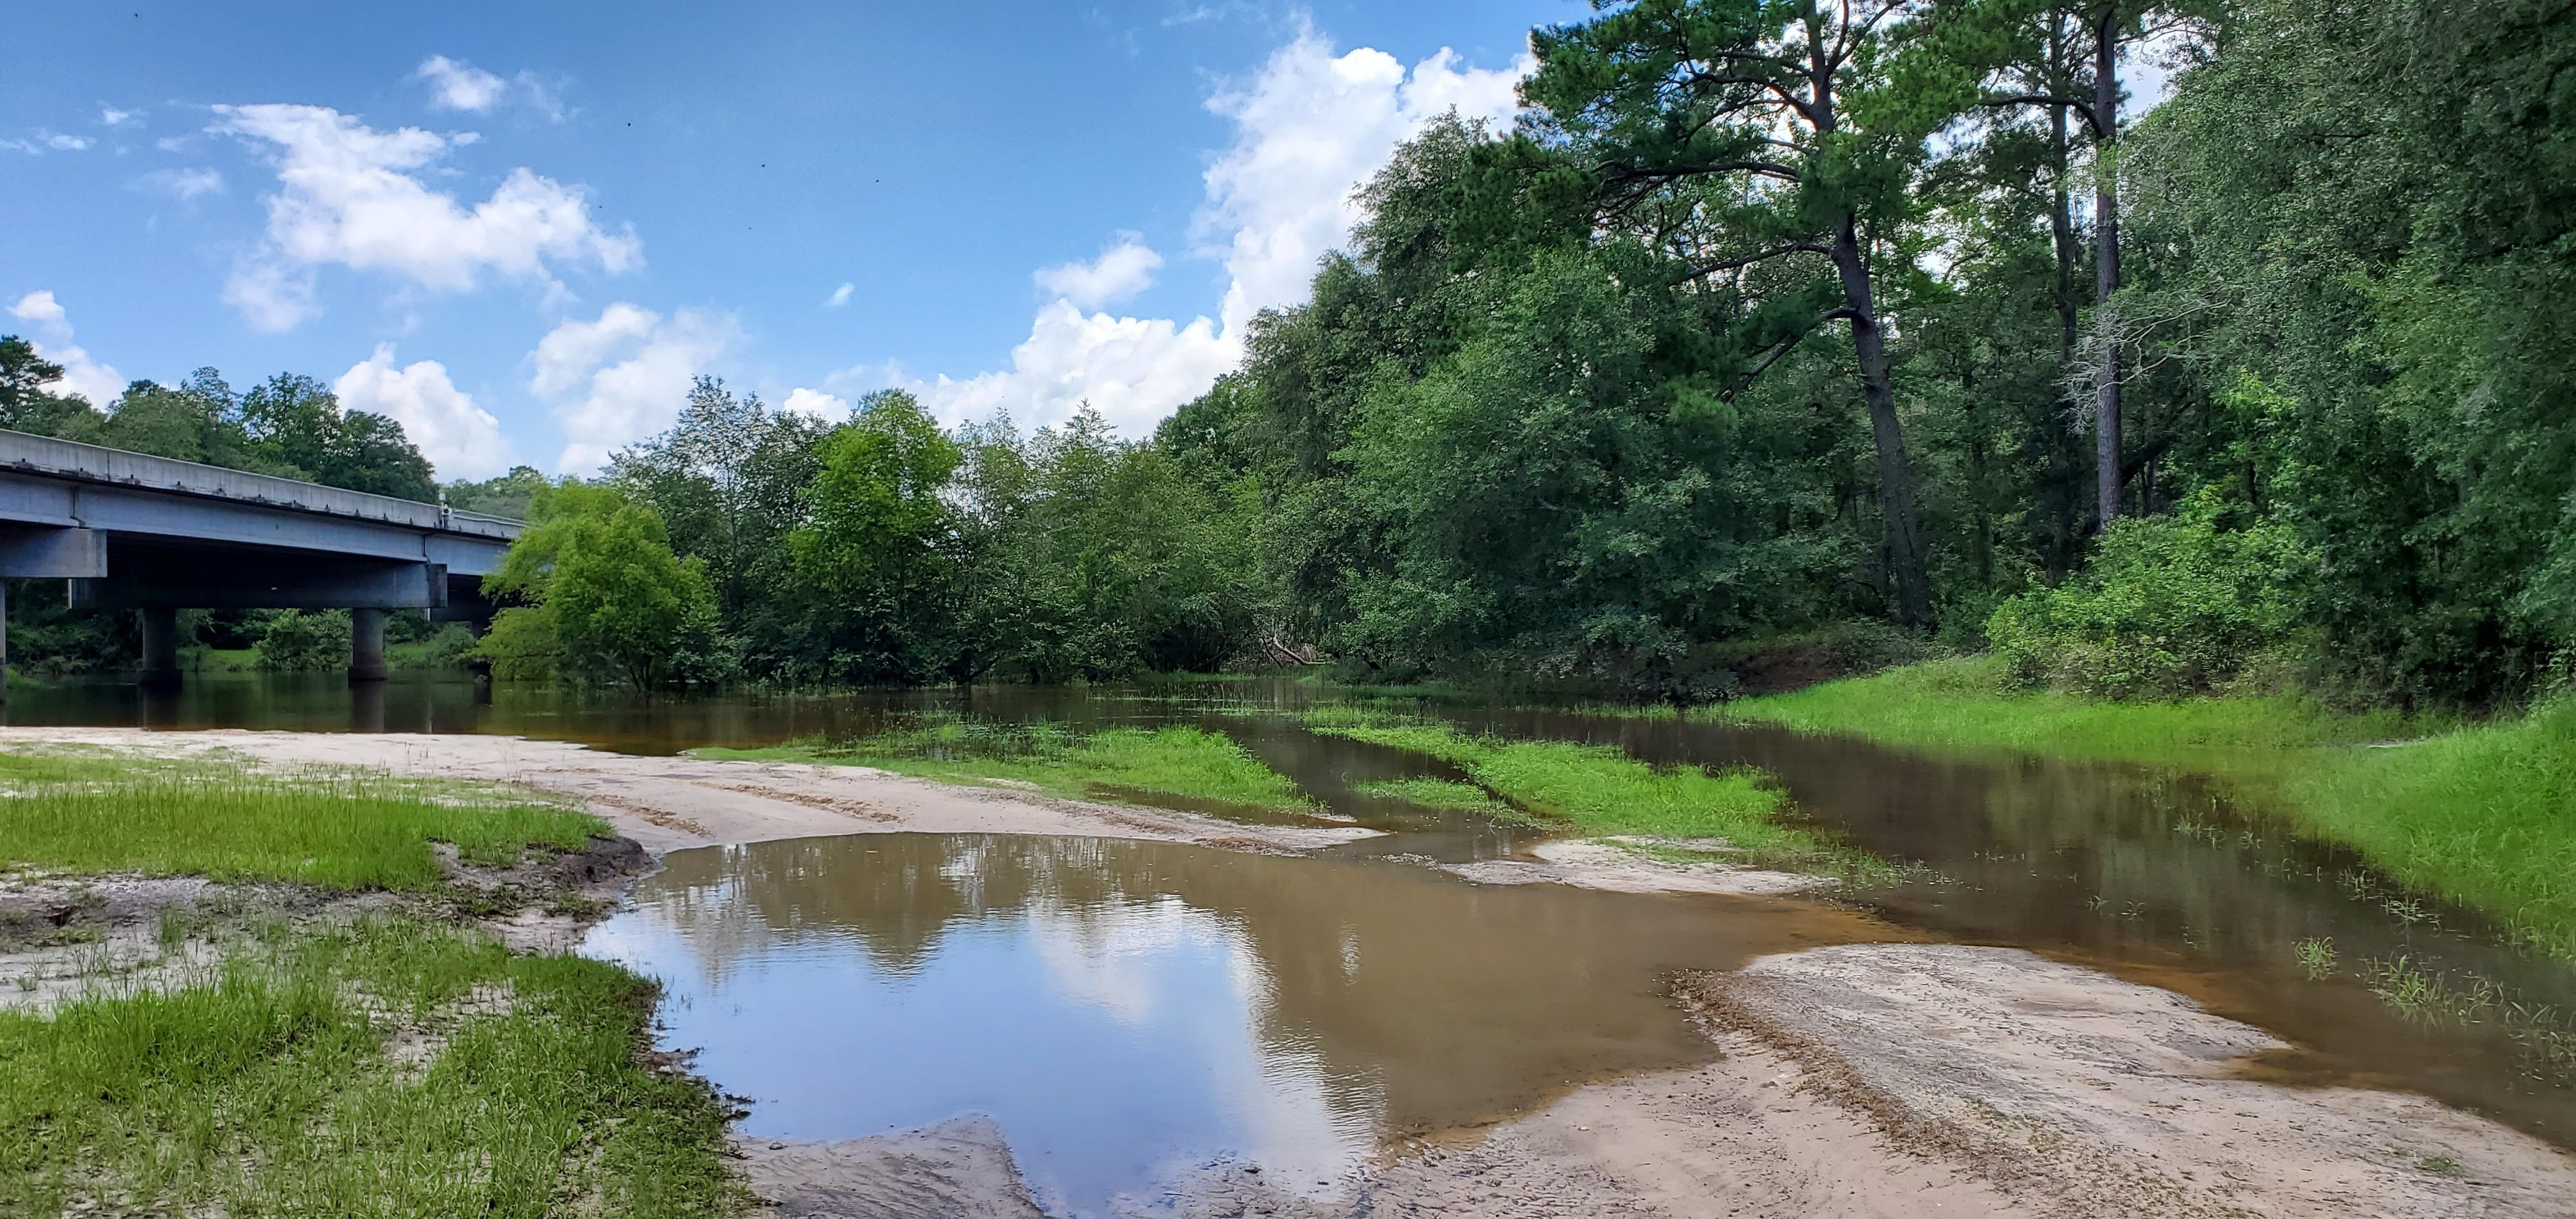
pixel 610 600
pixel 449 646
pixel 297 641
pixel 2172 606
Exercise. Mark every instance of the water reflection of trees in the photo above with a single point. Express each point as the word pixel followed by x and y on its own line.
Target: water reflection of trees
pixel 1441 1001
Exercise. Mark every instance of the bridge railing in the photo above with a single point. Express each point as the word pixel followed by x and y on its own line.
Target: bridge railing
pixel 73 461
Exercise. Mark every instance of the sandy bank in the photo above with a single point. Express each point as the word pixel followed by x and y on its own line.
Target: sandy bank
pixel 2018 1087
pixel 1607 865
pixel 673 803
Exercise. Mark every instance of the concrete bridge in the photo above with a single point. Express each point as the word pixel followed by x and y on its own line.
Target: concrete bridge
pixel 129 531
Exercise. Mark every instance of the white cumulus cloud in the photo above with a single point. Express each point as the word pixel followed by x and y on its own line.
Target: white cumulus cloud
pixel 345 198
pixel 840 296
pixel 1310 129
pixel 461 439
pixel 623 377
pixel 1121 271
pixel 830 408
pixel 457 85
pixel 110 116
pixel 100 383
pixel 1134 370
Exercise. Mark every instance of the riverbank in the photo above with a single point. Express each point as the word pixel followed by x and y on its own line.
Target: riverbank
pixel 2483 815
pixel 240 990
pixel 2022 1086
pixel 1625 826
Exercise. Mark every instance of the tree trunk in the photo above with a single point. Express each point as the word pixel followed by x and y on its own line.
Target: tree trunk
pixel 1905 556
pixel 2061 232
pixel 2106 263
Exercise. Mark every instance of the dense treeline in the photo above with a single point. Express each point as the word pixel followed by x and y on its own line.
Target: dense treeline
pixel 1767 320
pixel 747 542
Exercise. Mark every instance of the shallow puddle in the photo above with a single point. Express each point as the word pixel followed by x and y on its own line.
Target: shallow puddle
pixel 1126 1010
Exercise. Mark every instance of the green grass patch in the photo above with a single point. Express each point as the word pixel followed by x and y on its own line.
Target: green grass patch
pixel 2482 815
pixel 1964 704
pixel 95 811
pixel 266 1087
pixel 1600 791
pixel 1444 794
pixel 1177 762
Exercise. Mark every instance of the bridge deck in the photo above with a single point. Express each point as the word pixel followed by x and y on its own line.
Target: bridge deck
pixel 43 480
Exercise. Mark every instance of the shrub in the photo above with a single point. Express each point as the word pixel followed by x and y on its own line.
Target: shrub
pixel 297 641
pixel 2172 606
pixel 449 647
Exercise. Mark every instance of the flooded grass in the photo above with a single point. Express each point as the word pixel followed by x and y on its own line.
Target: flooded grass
pixel 268 1086
pixel 1443 794
pixel 1963 704
pixel 1604 792
pixel 2317 958
pixel 1176 761
pixel 94 811
pixel 2544 1035
pixel 2484 815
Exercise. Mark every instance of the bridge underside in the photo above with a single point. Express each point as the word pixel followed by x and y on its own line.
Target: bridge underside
pixel 129 531
pixel 160 576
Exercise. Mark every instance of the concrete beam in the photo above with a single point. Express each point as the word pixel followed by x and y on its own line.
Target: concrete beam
pixel 62 484
pixel 266 585
pixel 131 512
pixel 46 552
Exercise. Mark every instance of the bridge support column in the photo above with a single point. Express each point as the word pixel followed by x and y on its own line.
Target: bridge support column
pixel 366 645
pixel 160 647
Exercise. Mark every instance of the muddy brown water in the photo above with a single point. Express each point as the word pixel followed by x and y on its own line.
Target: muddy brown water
pixel 2164 878
pixel 1126 1010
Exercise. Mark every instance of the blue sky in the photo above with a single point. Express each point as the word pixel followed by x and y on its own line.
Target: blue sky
pixel 521 228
